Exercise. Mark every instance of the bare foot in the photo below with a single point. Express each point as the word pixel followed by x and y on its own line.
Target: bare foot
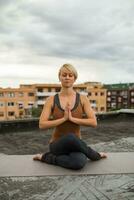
pixel 103 155
pixel 37 157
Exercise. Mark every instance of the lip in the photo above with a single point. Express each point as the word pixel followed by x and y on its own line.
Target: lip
pixel 67 81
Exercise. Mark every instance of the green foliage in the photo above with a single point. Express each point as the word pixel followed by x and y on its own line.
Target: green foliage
pixel 36 112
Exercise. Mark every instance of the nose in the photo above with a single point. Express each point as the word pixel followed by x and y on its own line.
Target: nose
pixel 67 76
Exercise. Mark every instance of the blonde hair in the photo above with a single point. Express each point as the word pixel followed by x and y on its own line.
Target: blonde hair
pixel 70 68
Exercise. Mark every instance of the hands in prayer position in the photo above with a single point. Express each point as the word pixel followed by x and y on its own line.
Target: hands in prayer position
pixel 67 113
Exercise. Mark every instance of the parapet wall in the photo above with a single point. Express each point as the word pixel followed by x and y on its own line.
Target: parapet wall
pixel 31 124
pixel 19 125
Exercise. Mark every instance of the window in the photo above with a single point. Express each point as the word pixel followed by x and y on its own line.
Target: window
pixel 124 93
pixel 113 105
pixel 113 92
pixel 30 94
pixel 40 90
pixel 11 94
pixel 57 90
pixel 30 105
pixel 89 93
pixel 119 105
pixel 93 101
pixel 102 93
pixel 95 87
pixel 125 97
pixel 40 98
pixel 119 99
pixel 125 103
pixel 1 104
pixel 132 93
pixel 109 99
pixel 1 114
pixel 20 104
pixel 113 98
pixel 132 100
pixel 21 113
pixel 1 94
pixel 96 109
pixel 118 92
pixel 10 104
pixel 11 113
pixel 49 89
pixel 102 108
pixel 96 93
pixel 109 105
pixel 21 94
pixel 109 93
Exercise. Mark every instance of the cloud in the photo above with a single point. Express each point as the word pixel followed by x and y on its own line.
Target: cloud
pixel 93 35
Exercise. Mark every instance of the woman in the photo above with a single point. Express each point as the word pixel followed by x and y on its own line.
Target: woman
pixel 67 108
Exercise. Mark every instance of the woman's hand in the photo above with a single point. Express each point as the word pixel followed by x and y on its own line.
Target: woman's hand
pixel 70 114
pixel 66 112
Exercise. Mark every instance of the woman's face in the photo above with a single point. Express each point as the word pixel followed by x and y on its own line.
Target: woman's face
pixel 67 78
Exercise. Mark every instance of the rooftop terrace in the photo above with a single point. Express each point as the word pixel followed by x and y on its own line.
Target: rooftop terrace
pixel 112 178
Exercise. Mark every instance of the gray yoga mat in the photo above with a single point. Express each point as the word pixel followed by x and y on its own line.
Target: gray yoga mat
pixel 23 165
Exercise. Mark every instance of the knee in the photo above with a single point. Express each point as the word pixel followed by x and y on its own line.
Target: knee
pixel 78 162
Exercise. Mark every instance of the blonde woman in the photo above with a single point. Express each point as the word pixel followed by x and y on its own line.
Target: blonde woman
pixel 67 107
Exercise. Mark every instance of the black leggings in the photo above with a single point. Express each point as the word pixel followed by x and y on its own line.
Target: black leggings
pixel 70 152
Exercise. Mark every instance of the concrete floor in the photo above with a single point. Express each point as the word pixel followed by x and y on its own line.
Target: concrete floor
pixel 109 137
pixel 21 178
pixel 102 187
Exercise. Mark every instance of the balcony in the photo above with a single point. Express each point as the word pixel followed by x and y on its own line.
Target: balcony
pixel 83 93
pixel 45 94
pixel 40 102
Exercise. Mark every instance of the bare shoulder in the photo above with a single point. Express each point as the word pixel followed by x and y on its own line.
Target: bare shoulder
pixel 49 100
pixel 85 103
pixel 84 99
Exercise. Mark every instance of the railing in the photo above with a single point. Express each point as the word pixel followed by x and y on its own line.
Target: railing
pixel 43 94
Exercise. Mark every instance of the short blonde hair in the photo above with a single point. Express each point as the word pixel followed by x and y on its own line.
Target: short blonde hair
pixel 70 68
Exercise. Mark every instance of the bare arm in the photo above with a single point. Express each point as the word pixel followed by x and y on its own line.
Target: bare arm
pixel 44 121
pixel 90 120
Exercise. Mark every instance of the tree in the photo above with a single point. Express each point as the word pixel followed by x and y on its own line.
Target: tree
pixel 36 112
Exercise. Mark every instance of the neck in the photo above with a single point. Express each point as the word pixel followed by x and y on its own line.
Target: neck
pixel 67 91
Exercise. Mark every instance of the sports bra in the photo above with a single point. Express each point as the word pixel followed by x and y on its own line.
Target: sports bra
pixel 68 126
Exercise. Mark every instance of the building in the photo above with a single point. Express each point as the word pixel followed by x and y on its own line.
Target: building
pixel 97 96
pixel 43 91
pixel 120 96
pixel 15 103
pixel 131 96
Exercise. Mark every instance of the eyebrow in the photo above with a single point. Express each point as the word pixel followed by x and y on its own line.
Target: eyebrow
pixel 67 73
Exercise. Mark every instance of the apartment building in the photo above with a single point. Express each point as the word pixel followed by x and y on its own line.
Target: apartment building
pixel 120 96
pixel 43 91
pixel 97 96
pixel 15 102
pixel 131 96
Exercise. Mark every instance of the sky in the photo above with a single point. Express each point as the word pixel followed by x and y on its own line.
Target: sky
pixel 37 37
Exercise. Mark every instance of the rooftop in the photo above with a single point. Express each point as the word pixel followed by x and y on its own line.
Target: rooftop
pixel 108 179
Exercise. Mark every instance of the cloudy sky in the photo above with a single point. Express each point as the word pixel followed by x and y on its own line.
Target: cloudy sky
pixel 38 36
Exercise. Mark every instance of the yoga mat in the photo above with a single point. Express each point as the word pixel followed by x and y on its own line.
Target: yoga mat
pixel 23 165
